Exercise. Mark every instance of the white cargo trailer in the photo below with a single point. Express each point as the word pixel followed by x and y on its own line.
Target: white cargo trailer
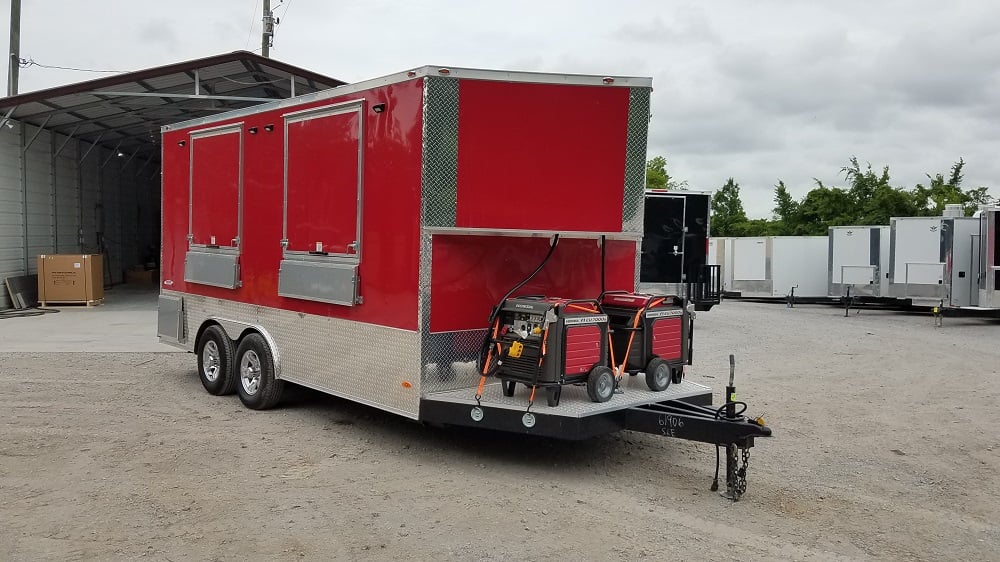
pixel 988 258
pixel 931 260
pixel 799 263
pixel 720 253
pixel 772 266
pixel 858 261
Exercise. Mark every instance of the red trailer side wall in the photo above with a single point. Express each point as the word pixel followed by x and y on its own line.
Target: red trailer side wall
pixel 391 216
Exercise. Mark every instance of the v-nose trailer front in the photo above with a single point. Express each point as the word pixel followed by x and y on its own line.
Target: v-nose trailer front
pixel 413 243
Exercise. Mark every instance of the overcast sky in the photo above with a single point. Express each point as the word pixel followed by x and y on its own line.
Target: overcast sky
pixel 756 90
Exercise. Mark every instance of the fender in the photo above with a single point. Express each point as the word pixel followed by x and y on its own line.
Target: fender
pixel 235 328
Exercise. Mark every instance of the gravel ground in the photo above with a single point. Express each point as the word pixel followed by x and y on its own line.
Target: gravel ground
pixel 884 448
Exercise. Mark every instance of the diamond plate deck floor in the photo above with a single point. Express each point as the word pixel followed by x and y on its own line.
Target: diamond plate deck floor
pixel 574 402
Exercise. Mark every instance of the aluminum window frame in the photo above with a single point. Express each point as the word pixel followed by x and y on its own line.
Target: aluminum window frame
pixel 235 245
pixel 330 110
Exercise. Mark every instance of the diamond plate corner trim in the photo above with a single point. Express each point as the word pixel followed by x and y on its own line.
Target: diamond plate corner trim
pixel 361 362
pixel 439 172
pixel 447 359
pixel 638 265
pixel 635 159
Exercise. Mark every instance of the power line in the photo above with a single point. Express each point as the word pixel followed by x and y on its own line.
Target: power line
pixel 25 63
pixel 253 15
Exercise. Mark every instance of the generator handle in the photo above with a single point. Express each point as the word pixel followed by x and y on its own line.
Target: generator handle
pixel 597 305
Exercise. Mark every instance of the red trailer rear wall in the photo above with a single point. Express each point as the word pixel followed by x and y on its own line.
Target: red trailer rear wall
pixel 471 273
pixel 541 156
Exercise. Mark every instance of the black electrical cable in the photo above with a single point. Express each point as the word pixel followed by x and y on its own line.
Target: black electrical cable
pixel 487 340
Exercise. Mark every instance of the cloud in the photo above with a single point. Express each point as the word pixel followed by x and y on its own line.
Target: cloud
pixel 754 90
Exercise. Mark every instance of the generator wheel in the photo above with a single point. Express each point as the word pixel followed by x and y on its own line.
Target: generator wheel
pixel 215 361
pixel 552 395
pixel 508 387
pixel 601 384
pixel 658 374
pixel 258 389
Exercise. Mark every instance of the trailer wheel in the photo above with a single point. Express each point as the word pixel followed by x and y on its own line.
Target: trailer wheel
pixel 215 361
pixel 658 374
pixel 258 389
pixel 601 384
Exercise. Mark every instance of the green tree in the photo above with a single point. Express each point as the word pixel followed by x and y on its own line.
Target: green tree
pixel 727 210
pixel 931 199
pixel 658 178
pixel 786 210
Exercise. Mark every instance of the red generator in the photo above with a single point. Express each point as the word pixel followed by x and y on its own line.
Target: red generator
pixel 650 334
pixel 547 343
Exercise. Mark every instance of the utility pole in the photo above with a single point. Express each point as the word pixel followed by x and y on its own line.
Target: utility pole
pixel 267 30
pixel 15 47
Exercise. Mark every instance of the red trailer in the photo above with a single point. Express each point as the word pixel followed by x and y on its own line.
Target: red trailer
pixel 358 240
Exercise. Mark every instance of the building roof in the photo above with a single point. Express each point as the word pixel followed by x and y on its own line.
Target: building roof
pixel 125 111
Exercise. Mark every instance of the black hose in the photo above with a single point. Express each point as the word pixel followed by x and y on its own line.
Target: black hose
pixel 487 340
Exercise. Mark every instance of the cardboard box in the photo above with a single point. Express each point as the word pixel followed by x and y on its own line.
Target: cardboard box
pixel 70 278
pixel 142 276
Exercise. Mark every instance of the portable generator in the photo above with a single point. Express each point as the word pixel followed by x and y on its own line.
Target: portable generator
pixel 549 342
pixel 649 334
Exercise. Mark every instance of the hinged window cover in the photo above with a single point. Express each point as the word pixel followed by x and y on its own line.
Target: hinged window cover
pixel 323 183
pixel 215 192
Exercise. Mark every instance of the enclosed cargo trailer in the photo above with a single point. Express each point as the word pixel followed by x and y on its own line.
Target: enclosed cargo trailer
pixel 773 266
pixel 988 259
pixel 858 261
pixel 675 246
pixel 720 254
pixel 931 260
pixel 362 241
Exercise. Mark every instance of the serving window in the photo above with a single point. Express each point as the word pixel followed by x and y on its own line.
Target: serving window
pixel 322 204
pixel 323 182
pixel 215 211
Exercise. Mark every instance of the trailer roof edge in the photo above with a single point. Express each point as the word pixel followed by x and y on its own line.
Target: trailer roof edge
pixel 422 72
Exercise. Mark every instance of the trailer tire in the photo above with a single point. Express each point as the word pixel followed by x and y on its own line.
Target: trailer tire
pixel 658 374
pixel 258 388
pixel 601 384
pixel 216 361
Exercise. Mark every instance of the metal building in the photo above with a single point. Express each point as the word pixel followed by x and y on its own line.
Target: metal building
pixel 80 164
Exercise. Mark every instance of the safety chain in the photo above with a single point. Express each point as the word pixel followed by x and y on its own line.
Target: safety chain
pixel 740 486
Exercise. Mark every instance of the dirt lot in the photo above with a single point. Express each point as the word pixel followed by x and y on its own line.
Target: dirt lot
pixel 885 447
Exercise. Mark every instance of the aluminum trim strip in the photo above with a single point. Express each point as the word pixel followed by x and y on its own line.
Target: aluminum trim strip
pixel 635 236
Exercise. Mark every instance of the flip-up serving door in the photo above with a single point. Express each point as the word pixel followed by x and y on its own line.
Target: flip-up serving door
pixel 215 206
pixel 322 211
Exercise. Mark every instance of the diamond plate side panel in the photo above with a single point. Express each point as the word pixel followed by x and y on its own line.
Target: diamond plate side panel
pixel 439 174
pixel 450 361
pixel 357 361
pixel 635 159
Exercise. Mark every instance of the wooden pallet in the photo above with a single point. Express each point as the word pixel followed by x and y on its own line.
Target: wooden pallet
pixel 95 302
